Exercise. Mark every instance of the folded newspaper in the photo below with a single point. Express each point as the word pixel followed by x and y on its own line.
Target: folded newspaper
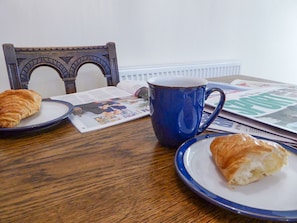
pixel 221 124
pixel 270 107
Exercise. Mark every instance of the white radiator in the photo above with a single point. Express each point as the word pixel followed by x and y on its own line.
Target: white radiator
pixel 202 70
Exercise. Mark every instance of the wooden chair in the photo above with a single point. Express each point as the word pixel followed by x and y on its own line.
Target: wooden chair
pixel 21 61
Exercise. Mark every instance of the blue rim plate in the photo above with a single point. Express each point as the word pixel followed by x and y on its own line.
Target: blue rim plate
pixel 51 113
pixel 271 198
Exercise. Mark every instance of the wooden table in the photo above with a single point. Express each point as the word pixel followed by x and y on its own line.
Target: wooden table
pixel 118 174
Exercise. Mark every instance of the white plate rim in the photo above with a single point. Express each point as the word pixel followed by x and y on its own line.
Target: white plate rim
pixel 48 123
pixel 290 215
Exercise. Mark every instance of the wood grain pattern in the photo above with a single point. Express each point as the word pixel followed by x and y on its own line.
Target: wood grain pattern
pixel 118 174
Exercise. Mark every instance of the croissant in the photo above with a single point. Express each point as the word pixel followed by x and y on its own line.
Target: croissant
pixel 243 159
pixel 16 105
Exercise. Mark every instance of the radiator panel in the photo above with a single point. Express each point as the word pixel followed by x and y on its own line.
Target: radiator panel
pixel 202 70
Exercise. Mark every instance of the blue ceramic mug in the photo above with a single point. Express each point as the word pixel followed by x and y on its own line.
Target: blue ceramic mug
pixel 176 107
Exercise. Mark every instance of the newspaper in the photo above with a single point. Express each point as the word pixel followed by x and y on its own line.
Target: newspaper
pixel 270 107
pixel 104 107
pixel 108 106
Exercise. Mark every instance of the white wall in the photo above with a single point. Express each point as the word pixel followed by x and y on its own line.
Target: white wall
pixel 261 34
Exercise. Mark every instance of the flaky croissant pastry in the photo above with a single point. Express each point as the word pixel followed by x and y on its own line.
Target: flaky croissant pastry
pixel 16 105
pixel 243 159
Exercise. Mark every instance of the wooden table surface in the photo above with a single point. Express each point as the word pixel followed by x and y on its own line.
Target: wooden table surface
pixel 118 174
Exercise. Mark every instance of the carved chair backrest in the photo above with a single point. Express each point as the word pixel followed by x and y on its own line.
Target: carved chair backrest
pixel 22 61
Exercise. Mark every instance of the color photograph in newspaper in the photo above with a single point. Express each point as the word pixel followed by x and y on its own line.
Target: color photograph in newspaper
pixel 98 115
pixel 227 88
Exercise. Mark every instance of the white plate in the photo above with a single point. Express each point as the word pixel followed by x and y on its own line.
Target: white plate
pixel 51 113
pixel 271 198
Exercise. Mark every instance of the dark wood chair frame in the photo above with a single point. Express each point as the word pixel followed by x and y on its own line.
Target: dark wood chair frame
pixel 22 61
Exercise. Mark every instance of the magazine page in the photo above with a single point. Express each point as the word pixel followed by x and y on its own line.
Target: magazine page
pixel 274 106
pixel 104 107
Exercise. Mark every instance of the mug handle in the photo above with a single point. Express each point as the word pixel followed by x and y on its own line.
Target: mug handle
pixel 217 110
